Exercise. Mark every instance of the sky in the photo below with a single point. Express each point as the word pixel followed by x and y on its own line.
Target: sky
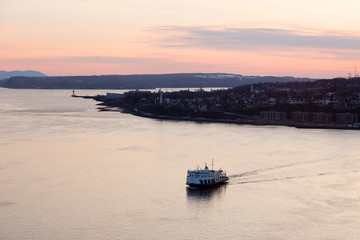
pixel 308 38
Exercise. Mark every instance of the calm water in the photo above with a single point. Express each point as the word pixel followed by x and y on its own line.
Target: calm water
pixel 70 172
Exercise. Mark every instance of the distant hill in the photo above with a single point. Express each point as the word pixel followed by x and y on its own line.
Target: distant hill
pixel 29 73
pixel 141 81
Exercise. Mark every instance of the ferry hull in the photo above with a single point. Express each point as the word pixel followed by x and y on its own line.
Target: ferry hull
pixel 197 185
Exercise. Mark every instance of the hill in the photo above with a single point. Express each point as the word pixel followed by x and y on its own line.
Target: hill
pixel 29 73
pixel 141 81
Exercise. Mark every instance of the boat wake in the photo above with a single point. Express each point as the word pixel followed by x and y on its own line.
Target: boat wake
pixel 259 171
pixel 287 177
pixel 281 179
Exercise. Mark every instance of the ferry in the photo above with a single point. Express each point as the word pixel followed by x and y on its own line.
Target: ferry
pixel 205 177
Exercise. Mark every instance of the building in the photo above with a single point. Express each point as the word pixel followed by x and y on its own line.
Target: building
pixel 273 116
pixel 320 117
pixel 300 116
pixel 114 95
pixel 347 118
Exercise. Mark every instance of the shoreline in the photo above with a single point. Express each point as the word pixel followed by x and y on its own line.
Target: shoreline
pixel 228 121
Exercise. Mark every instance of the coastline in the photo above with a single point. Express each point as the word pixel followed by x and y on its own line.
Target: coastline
pixel 227 121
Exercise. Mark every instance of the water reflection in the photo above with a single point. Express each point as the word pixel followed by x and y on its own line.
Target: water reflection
pixel 205 194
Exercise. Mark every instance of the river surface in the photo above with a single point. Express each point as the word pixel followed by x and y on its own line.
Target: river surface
pixel 70 172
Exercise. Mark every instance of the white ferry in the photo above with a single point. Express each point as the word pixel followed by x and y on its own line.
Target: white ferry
pixel 205 177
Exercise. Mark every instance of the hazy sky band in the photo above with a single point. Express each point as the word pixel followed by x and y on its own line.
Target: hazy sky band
pixel 243 38
pixel 250 37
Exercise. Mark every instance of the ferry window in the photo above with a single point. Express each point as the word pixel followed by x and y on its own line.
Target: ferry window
pixel 201 181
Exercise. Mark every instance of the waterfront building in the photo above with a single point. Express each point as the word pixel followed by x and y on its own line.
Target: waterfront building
pixel 300 116
pixel 321 117
pixel 113 95
pixel 347 118
pixel 273 116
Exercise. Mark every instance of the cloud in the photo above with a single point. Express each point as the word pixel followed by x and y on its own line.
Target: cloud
pixel 133 148
pixel 256 38
pixel 110 60
pixel 93 59
pixel 107 1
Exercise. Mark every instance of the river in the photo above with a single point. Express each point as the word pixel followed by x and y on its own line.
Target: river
pixel 68 171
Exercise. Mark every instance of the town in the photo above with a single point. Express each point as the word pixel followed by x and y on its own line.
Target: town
pixel 331 103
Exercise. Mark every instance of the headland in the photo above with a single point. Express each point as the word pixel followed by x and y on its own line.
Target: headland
pixel 327 104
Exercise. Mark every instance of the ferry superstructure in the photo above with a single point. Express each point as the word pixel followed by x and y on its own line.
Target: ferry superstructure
pixel 205 177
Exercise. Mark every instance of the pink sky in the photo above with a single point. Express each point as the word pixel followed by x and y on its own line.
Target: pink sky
pixel 259 37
